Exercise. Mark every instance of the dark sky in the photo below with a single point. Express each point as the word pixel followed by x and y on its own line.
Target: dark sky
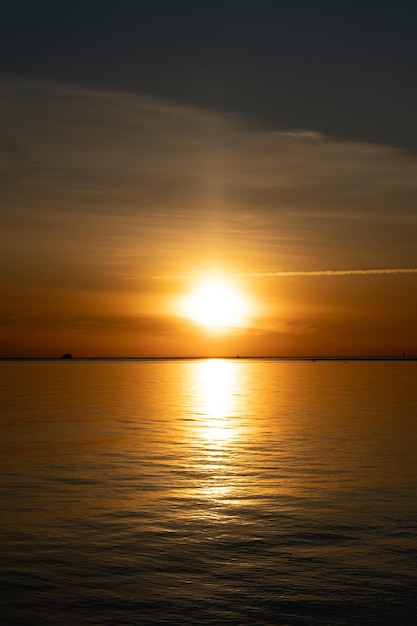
pixel 346 69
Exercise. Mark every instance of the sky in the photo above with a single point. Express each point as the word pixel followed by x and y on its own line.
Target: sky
pixel 149 147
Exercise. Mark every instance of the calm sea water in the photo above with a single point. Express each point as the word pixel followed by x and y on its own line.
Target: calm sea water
pixel 208 492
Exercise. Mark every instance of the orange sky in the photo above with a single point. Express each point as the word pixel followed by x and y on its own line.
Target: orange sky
pixel 108 199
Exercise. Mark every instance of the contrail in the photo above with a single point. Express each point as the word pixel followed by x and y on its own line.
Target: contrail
pixel 362 272
pixel 289 273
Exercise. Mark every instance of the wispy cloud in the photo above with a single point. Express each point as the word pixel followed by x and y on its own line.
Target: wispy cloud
pixel 360 272
pixel 114 184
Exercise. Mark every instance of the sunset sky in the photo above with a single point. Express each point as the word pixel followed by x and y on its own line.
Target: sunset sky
pixel 265 149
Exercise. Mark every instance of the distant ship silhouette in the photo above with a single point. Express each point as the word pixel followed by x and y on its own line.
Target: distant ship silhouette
pixel 67 355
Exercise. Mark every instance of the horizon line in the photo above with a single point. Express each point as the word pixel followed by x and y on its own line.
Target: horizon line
pixel 312 357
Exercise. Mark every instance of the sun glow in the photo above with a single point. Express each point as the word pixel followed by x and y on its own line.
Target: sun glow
pixel 216 304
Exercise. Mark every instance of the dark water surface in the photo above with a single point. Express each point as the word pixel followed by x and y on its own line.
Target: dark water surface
pixel 208 492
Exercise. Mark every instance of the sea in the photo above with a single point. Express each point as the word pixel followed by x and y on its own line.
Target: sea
pixel 208 492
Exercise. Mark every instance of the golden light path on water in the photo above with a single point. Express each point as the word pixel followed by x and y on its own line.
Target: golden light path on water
pixel 219 429
pixel 218 384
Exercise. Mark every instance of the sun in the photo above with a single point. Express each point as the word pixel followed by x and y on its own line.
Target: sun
pixel 215 304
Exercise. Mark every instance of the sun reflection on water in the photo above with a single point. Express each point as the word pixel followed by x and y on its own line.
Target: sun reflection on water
pixel 216 386
pixel 217 434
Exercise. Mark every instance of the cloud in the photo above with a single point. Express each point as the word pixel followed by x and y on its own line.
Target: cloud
pixel 113 182
pixel 356 272
pixel 361 272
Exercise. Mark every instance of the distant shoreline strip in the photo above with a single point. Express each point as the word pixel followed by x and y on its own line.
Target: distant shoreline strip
pixel 411 358
pixel 289 273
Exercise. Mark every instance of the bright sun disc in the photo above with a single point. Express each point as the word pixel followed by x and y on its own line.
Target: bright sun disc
pixel 215 304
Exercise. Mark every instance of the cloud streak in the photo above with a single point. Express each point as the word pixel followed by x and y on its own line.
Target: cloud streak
pixel 290 273
pixel 104 185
